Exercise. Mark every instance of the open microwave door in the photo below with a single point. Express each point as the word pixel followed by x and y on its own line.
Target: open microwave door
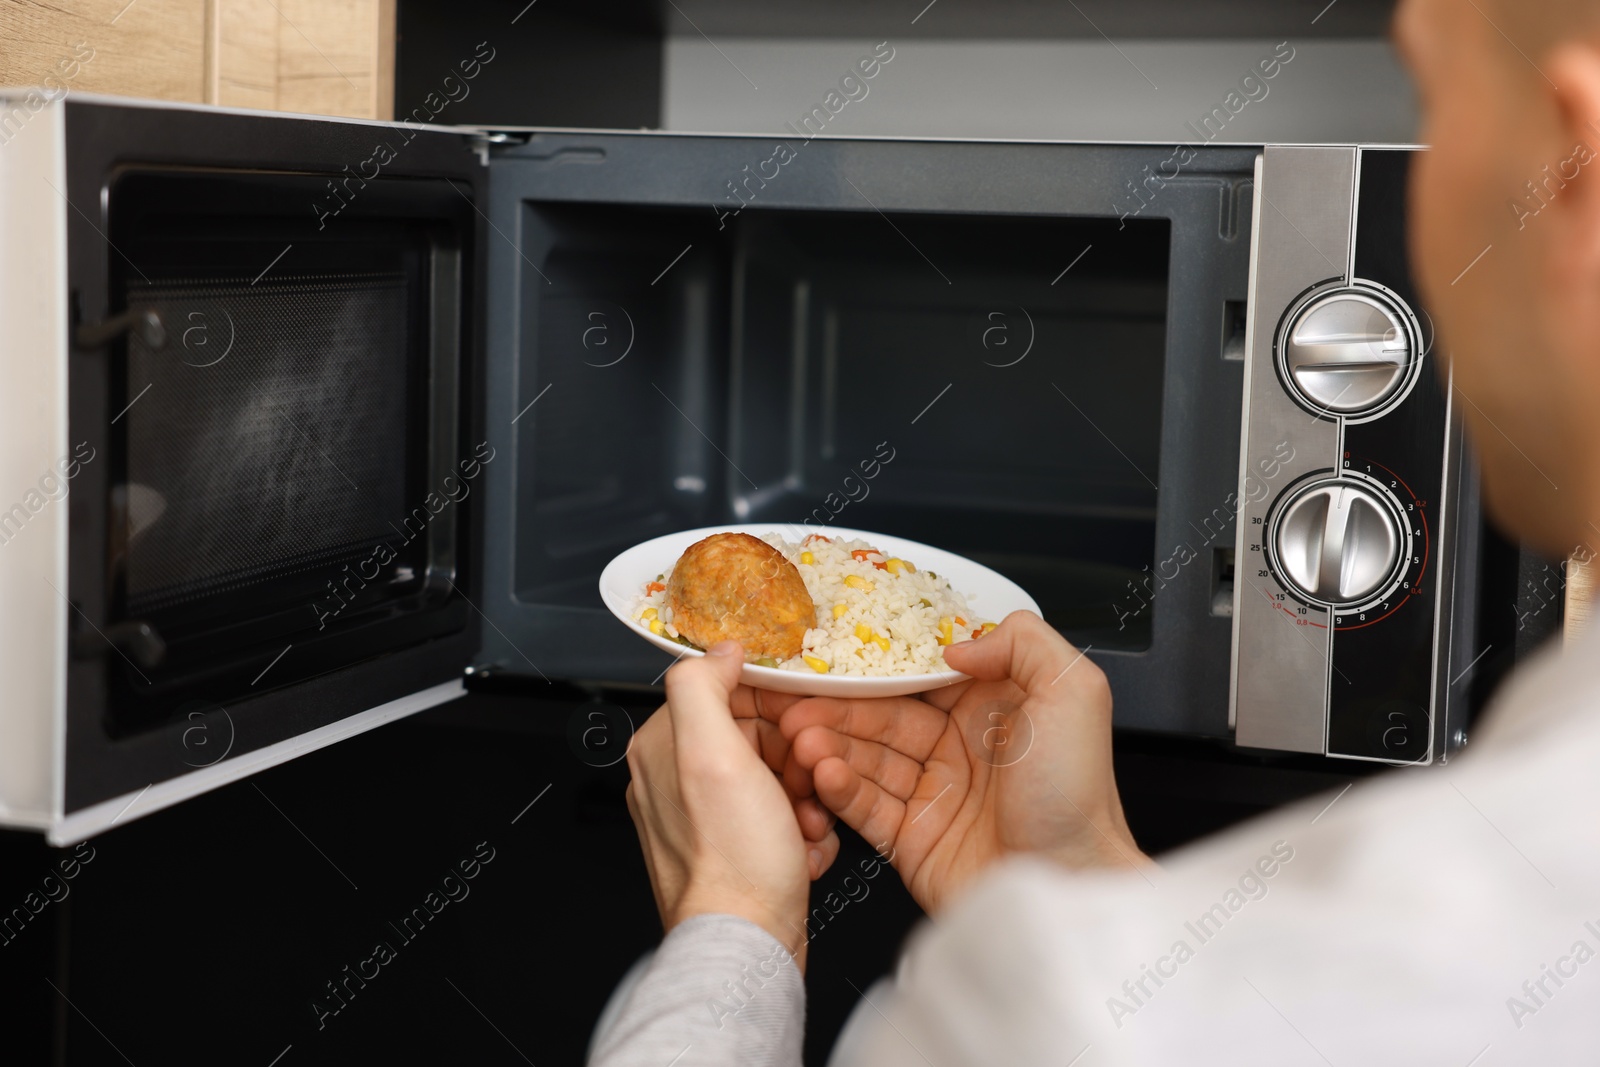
pixel 241 465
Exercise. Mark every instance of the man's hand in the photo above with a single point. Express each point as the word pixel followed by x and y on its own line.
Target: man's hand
pixel 1017 760
pixel 719 833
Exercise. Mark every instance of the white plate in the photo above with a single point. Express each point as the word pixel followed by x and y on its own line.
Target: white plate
pixel 992 596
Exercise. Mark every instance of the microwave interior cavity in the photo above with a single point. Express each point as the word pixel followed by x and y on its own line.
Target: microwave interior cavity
pixel 933 376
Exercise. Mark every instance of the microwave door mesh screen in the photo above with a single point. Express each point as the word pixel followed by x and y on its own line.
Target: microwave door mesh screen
pixel 267 438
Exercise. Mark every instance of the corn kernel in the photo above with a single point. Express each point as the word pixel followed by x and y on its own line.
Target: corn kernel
pixel 818 665
pixel 855 581
pixel 656 627
pixel 863 632
pixel 946 632
pixel 881 642
pixel 839 610
pixel 648 613
pixel 894 566
pixel 807 558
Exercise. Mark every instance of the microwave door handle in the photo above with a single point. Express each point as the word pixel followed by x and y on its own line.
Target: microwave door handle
pixel 136 639
pixel 146 322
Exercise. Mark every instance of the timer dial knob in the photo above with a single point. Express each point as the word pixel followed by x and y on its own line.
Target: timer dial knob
pixel 1336 542
pixel 1348 352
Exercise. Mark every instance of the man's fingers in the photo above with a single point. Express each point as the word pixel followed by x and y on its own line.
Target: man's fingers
pixel 821 854
pixel 796 777
pixel 699 692
pixel 743 702
pixel 773 705
pixel 751 703
pixel 904 724
pixel 944 698
pixel 772 745
pixel 765 740
pixel 1025 649
pixel 863 806
pixel 890 770
pixel 816 822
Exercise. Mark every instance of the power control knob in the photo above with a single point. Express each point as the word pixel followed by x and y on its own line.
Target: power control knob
pixel 1349 351
pixel 1337 542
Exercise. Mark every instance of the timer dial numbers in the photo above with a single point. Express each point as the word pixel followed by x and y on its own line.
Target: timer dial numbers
pixel 1413 513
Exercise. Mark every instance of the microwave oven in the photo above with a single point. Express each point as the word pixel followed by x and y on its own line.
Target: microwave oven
pixel 314 419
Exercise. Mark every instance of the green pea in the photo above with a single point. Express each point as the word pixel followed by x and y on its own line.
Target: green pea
pixel 766 661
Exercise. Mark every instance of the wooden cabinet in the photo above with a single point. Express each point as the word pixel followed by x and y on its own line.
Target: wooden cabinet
pixel 1583 586
pixel 304 55
pixel 327 57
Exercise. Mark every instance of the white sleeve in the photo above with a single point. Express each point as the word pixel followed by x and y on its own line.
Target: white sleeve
pixel 1445 914
pixel 720 990
pixel 1431 915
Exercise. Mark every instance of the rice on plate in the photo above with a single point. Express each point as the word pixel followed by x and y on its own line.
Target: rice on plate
pixel 877 615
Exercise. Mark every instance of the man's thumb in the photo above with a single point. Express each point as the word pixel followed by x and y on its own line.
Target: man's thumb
pixel 1024 648
pixel 698 692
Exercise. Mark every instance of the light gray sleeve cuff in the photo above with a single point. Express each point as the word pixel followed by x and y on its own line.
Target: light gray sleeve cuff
pixel 720 990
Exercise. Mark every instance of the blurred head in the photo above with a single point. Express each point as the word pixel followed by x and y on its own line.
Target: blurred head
pixel 1510 95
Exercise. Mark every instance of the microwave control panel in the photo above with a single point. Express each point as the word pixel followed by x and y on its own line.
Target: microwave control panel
pixel 1347 456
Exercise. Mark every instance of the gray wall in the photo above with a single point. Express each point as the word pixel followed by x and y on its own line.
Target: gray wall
pixel 1136 90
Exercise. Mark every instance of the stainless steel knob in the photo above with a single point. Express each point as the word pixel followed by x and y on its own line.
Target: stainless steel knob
pixel 1348 351
pixel 1337 542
